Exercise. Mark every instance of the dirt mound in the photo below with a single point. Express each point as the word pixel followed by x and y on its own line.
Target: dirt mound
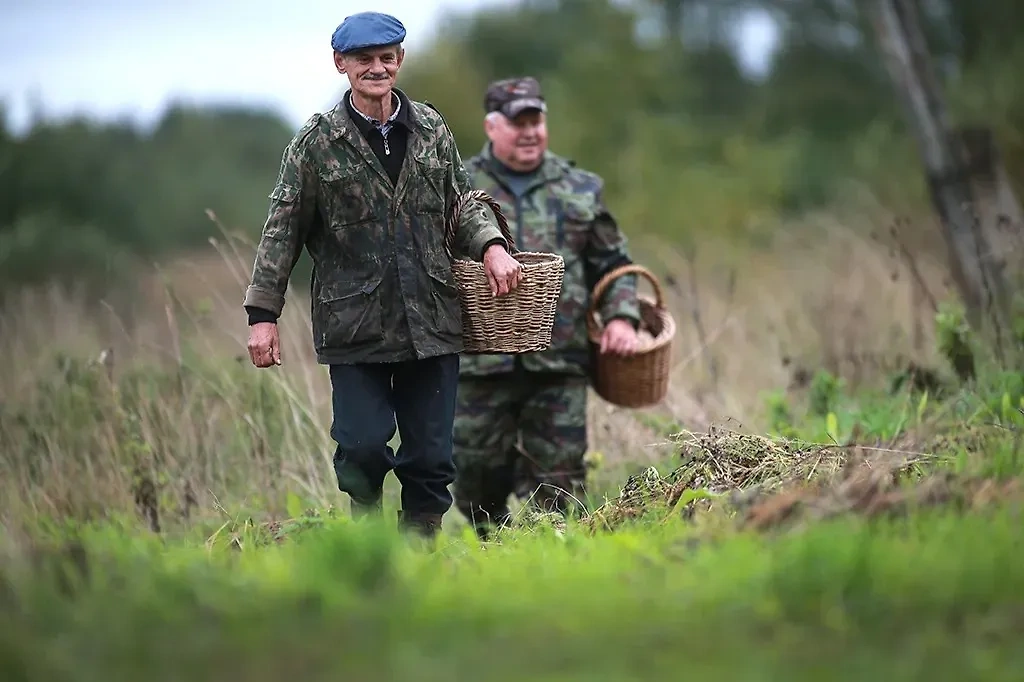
pixel 717 463
pixel 768 483
pixel 873 490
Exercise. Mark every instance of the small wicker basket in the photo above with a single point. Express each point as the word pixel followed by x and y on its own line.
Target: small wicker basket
pixel 641 379
pixel 522 320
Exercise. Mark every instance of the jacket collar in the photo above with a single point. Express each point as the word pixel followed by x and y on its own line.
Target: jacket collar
pixel 343 127
pixel 552 168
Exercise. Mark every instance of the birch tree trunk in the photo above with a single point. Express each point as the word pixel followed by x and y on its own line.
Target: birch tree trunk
pixel 968 186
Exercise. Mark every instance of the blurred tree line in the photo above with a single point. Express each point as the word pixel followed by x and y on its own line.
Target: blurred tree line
pixel 82 201
pixel 649 93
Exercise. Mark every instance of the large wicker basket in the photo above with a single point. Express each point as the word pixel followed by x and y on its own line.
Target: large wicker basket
pixel 518 322
pixel 641 379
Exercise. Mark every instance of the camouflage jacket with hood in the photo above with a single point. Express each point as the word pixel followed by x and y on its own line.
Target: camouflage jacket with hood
pixel 382 287
pixel 559 209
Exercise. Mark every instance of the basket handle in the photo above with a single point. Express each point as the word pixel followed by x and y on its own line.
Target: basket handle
pixel 602 286
pixel 452 224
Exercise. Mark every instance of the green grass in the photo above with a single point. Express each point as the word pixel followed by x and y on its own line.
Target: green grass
pixel 253 575
pixel 936 595
pixel 930 594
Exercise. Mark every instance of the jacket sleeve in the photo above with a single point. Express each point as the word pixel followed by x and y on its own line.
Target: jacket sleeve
pixel 289 220
pixel 477 228
pixel 606 250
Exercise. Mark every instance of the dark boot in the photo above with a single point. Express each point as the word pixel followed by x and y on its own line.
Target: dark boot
pixel 363 509
pixel 559 492
pixel 485 530
pixel 426 525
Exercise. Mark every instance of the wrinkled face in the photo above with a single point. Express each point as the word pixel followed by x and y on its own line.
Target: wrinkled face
pixel 371 72
pixel 519 142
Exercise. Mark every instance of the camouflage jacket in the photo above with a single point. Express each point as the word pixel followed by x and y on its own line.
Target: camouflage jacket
pixel 561 210
pixel 382 288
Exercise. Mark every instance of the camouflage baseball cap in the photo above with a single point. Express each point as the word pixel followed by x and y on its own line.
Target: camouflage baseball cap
pixel 511 96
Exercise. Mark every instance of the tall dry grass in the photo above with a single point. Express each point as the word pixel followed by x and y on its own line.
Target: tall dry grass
pixel 155 409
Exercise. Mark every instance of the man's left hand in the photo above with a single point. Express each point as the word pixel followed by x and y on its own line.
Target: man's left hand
pixel 503 271
pixel 619 338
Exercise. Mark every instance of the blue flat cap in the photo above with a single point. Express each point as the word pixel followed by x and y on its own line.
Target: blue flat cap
pixel 367 29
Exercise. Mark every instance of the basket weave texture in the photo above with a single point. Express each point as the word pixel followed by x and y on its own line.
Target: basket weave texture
pixel 518 322
pixel 641 379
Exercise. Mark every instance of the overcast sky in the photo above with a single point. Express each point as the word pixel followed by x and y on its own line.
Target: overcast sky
pixel 115 58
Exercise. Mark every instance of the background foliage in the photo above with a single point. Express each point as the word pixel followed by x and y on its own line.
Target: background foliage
pixel 649 94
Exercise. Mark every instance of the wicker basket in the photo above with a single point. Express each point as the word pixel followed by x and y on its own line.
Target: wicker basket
pixel 641 379
pixel 522 320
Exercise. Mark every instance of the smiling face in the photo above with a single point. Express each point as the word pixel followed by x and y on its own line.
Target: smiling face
pixel 371 72
pixel 518 142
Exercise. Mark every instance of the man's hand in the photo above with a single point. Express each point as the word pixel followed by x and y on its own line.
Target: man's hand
pixel 264 344
pixel 503 271
pixel 619 338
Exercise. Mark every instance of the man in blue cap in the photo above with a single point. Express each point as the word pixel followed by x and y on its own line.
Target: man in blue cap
pixel 365 188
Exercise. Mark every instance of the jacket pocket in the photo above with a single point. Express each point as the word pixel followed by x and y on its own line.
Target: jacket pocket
pixel 347 197
pixel 447 305
pixel 351 313
pixel 431 192
pixel 574 224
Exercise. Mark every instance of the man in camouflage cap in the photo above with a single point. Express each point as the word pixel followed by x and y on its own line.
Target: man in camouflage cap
pixel 521 420
pixel 365 189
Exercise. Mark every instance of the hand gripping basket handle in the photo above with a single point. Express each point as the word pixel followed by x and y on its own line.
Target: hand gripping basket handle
pixel 606 281
pixel 463 200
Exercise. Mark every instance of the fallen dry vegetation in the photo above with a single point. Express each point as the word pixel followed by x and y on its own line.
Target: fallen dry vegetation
pixel 766 483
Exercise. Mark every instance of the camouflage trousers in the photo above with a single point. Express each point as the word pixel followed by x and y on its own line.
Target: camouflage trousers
pixel 521 433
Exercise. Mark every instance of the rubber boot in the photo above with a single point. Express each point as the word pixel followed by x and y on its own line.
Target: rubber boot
pixel 361 509
pixel 486 530
pixel 426 525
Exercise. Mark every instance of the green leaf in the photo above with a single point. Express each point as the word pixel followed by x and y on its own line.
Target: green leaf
pixel 832 426
pixel 921 405
pixel 294 505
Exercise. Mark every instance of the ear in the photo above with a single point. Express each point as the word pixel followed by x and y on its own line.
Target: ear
pixel 401 56
pixel 492 121
pixel 339 62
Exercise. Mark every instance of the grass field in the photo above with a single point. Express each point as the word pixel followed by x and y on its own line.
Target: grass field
pixel 800 508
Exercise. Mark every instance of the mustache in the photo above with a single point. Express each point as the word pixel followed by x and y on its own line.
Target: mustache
pixel 375 77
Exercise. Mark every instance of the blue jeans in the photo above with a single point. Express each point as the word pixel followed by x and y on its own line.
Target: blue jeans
pixel 371 401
